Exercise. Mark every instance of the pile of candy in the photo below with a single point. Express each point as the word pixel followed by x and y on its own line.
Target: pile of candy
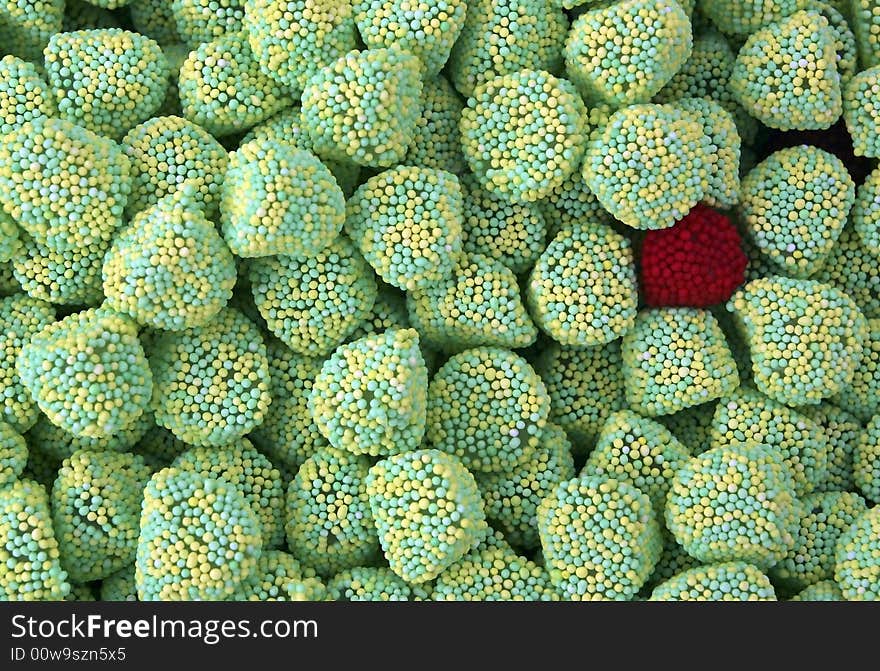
pixel 439 300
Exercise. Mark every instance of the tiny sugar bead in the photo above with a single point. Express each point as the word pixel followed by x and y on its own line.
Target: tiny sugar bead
pixel 201 21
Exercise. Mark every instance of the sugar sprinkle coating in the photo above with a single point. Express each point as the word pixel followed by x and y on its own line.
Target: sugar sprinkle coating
pixel 240 464
pixel 155 19
pixel 786 74
pixel 370 396
pixel 522 134
pixel 55 444
pixel 805 337
pixel 794 206
pixel 740 19
pixel 747 416
pixel 436 141
pixel 501 37
pixel 723 184
pixel 734 503
pixel 427 510
pixel 407 222
pixel 866 22
pixel 852 268
pixel 13 454
pixel 278 576
pixel 488 407
pixel 582 290
pixel 211 382
pixel 28 548
pixel 169 268
pixel 478 305
pixel 328 520
pixel 728 581
pixel 706 74
pixel 223 89
pixel 600 538
pixel 857 561
pixel 866 213
pixel 649 166
pixel 866 461
pixel 313 304
pixel 824 590
pixel 26 27
pixel 368 583
pixel 88 372
pixel 426 29
pixel 585 385
pixel 279 199
pixel 611 52
pixel 493 572
pixel 96 506
pixel 64 185
pixel 293 39
pixel 698 262
pixel 513 233
pixel 812 558
pixel 22 317
pixel 68 277
pixel 676 358
pixel 168 151
pixel 288 435
pixel 106 80
pixel 511 497
pixel 24 95
pixel 639 451
pixel 201 21
pixel 199 539
pixel 368 125
pixel 862 396
pixel 843 431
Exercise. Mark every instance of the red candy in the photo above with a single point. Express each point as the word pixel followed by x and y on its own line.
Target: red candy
pixel 697 263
